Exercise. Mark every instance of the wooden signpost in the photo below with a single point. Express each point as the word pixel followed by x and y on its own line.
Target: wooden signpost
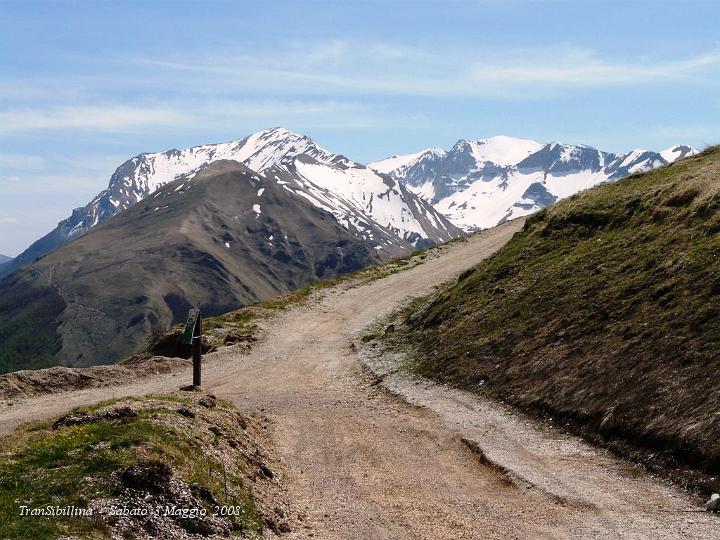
pixel 193 336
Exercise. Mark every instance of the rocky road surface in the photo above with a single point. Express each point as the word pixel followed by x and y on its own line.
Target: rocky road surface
pixel 376 453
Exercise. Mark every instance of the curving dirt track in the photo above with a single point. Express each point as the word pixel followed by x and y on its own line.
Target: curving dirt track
pixel 408 458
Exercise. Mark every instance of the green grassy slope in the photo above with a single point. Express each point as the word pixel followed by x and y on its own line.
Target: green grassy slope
pixel 210 242
pixel 28 327
pixel 604 311
pixel 141 454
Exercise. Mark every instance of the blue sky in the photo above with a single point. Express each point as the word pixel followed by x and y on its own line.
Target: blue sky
pixel 85 85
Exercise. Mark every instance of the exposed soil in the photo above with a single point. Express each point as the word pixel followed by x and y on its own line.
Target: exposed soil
pixel 39 382
pixel 360 463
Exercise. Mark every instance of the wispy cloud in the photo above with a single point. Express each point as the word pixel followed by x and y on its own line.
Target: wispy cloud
pixel 21 161
pixel 581 67
pixel 8 220
pixel 93 117
pixel 112 117
pixel 331 83
pixel 310 113
pixel 193 113
pixel 340 67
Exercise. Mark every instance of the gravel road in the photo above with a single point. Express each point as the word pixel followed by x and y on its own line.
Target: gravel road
pixel 407 458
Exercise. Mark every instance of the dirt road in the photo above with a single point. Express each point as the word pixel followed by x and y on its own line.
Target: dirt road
pixel 360 462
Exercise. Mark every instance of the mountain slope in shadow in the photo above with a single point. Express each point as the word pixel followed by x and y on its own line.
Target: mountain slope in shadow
pixel 216 239
pixel 375 207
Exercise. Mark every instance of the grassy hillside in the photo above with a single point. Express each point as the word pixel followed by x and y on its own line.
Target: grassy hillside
pixel 28 326
pixel 604 311
pixel 224 239
pixel 140 456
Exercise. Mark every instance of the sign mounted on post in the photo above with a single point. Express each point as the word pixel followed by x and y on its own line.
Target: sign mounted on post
pixel 193 336
pixel 190 326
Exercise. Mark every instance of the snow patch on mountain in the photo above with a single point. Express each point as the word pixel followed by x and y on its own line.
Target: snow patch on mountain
pixel 677 151
pixel 358 197
pixel 478 184
pixel 361 198
pixel 395 162
pixel 501 150
pixel 144 174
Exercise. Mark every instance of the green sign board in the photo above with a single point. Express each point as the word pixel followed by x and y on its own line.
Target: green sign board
pixel 190 326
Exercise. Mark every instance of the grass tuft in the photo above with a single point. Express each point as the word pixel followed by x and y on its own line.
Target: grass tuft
pixel 75 465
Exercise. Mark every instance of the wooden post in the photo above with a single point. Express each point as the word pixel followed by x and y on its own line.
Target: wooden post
pixel 197 352
pixel 193 337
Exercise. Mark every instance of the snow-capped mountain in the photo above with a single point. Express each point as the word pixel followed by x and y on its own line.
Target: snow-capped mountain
pixel 676 152
pixel 394 163
pixel 374 206
pixel 397 204
pixel 480 183
pixel 141 175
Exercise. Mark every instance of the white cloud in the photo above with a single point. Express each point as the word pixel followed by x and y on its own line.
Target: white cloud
pixel 344 68
pixel 580 67
pixel 199 114
pixel 11 178
pixel 309 113
pixel 22 161
pixel 7 220
pixel 92 117
pixel 333 51
pixel 217 88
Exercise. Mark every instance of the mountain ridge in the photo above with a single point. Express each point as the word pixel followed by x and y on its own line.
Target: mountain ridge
pixel 398 204
pixel 413 224
pixel 601 313
pixel 218 239
pixel 480 183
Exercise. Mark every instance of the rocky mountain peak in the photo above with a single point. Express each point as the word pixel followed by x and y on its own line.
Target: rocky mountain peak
pixel 391 218
pixel 480 183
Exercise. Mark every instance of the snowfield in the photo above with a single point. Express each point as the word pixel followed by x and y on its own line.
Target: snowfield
pixel 479 184
pixel 402 202
pixel 370 204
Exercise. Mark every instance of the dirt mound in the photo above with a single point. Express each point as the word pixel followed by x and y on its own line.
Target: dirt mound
pixel 29 383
